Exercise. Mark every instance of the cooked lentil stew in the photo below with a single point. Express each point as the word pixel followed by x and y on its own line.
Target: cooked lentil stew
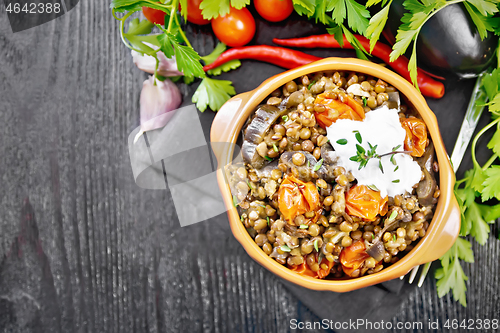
pixel 302 203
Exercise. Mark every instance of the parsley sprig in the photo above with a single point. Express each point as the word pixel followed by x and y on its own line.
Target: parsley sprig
pixel 418 13
pixel 480 183
pixel 340 16
pixel 172 41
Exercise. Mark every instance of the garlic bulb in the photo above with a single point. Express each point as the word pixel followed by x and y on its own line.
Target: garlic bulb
pixel 147 63
pixel 158 104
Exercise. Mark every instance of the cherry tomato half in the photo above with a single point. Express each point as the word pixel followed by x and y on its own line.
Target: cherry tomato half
pixel 194 12
pixel 296 197
pixel 335 109
pixel 236 28
pixel 416 135
pixel 155 16
pixel 353 256
pixel 274 10
pixel 363 202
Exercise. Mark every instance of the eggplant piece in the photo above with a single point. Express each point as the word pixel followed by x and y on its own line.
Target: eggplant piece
pixel 306 173
pixel 328 154
pixel 448 41
pixel 427 186
pixel 265 172
pixel 329 161
pixel 260 124
pixel 264 118
pixel 250 155
pixel 376 249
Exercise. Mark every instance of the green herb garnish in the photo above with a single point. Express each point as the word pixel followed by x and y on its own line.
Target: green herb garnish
pixel 311 84
pixel 396 168
pixel 380 166
pixel 285 118
pixel 373 187
pixel 275 148
pixel 395 181
pixel 342 142
pixel 267 218
pixel 318 165
pixel 364 101
pixel 393 216
pixel 235 201
pixel 394 237
pixel 268 158
pixel 285 248
pixel 358 137
pixel 316 245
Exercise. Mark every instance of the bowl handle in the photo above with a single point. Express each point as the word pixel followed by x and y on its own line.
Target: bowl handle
pixel 222 126
pixel 446 236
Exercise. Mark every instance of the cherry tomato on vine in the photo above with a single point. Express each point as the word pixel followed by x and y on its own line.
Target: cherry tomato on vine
pixel 155 16
pixel 236 28
pixel 274 10
pixel 194 12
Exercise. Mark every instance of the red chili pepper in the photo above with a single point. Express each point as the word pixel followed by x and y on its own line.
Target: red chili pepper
pixel 428 86
pixel 279 56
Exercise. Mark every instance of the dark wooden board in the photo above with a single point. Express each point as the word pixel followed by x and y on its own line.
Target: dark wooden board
pixel 83 249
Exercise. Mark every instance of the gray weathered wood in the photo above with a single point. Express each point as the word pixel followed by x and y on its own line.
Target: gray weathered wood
pixel 83 249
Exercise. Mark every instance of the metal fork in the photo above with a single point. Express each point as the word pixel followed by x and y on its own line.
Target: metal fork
pixel 469 124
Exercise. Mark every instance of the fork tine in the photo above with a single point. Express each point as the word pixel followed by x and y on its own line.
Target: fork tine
pixel 402 277
pixel 413 274
pixel 425 270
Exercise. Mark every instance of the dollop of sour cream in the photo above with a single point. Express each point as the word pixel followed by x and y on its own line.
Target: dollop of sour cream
pixel 380 128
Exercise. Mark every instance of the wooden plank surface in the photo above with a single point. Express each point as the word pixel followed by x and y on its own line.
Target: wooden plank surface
pixel 83 249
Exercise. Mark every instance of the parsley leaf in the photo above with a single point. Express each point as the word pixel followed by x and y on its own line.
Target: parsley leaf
pixel 477 180
pixel 188 60
pixel 184 8
pixel 484 7
pixel 357 16
pixel 481 22
pixel 136 27
pixel 304 7
pixel 211 9
pixel 494 143
pixel 377 24
pixel 491 184
pixel 490 213
pixel 135 5
pixel 451 276
pixel 210 58
pixel 336 31
pixel 491 83
pixel 212 93
pixel 479 228
pixel 232 64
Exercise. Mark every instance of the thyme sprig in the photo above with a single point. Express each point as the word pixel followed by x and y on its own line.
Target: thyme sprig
pixel 363 156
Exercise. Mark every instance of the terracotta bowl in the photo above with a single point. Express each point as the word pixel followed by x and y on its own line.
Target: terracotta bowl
pixel 444 227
